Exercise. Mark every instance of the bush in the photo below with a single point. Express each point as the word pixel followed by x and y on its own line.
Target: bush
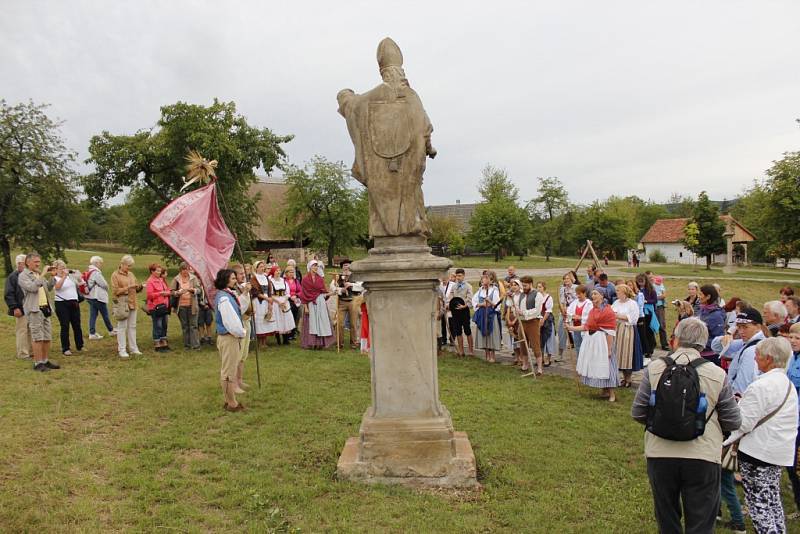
pixel 656 256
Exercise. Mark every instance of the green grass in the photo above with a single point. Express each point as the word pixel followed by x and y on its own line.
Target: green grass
pixel 700 272
pixel 105 445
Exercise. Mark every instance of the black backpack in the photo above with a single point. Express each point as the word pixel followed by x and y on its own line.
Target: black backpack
pixel 677 408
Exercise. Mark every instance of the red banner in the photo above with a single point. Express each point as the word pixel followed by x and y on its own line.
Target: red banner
pixel 193 227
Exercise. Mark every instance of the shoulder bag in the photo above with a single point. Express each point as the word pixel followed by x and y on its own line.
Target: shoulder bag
pixel 730 460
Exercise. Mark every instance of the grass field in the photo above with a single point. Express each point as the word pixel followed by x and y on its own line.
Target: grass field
pixel 769 273
pixel 105 445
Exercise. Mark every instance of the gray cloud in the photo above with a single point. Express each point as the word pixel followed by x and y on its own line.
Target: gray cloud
pixel 612 97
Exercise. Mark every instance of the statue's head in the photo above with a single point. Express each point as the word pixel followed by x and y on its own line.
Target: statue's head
pixel 389 54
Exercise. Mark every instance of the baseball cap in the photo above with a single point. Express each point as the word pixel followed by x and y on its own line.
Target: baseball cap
pixel 749 315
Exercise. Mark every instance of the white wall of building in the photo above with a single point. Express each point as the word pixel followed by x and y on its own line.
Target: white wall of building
pixel 677 253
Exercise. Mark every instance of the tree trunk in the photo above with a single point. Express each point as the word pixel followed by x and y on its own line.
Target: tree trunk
pixel 547 253
pixel 331 245
pixel 5 248
pixel 496 255
pixel 708 262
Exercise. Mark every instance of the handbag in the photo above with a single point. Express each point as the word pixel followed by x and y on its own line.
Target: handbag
pixel 120 310
pixel 160 310
pixel 730 459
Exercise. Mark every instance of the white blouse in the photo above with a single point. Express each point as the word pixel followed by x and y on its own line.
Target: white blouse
pixel 68 291
pixel 493 296
pixel 629 308
pixel 587 307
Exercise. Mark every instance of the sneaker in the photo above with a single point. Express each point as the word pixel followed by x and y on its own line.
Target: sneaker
pixel 67 353
pixel 27 357
pixel 51 365
pixel 124 355
pixel 41 367
pixel 136 353
pixel 95 336
pixel 113 333
pixel 239 391
pixel 736 528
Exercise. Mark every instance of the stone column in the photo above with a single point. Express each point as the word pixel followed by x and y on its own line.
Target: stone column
pixel 407 435
pixel 729 266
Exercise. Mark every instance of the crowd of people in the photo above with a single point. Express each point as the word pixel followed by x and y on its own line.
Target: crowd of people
pixel 275 302
pixel 742 363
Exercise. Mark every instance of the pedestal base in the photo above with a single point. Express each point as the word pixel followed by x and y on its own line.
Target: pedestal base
pixel 406 435
pixel 398 458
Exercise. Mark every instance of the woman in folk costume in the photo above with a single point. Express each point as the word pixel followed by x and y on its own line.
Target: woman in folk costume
pixel 364 327
pixel 501 288
pixel 566 296
pixel 513 324
pixel 262 309
pixel 485 302
pixel 316 332
pixel 548 331
pixel 578 314
pixel 629 351
pixel 597 360
pixel 282 319
pixel 290 276
pixel 648 322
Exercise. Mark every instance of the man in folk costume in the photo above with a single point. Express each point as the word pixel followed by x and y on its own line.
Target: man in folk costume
pixel 528 305
pixel 445 316
pixel 230 335
pixel 459 301
pixel 346 290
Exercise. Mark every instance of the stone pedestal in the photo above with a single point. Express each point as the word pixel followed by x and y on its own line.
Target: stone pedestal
pixel 729 267
pixel 406 436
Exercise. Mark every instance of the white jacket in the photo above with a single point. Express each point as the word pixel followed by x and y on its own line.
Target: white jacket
pixel 773 441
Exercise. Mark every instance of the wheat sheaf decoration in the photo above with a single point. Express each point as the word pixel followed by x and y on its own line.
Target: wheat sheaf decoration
pixel 198 169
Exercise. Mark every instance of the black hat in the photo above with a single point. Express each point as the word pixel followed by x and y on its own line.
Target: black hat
pixel 749 315
pixel 342 262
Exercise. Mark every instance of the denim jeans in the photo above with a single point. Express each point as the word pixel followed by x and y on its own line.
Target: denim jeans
pixel 159 327
pixel 730 498
pixel 191 337
pixel 95 307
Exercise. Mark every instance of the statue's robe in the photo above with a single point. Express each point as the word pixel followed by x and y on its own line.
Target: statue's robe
pixel 391 135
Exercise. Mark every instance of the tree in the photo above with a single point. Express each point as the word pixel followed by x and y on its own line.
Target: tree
pixel 752 211
pixel 322 206
pixel 38 193
pixel 680 206
pixel 639 215
pixel 150 164
pixel 544 210
pixel 498 223
pixel 446 232
pixel 606 230
pixel 783 211
pixel 710 229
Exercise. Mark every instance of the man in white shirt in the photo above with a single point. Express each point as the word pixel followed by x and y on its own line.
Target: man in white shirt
pixel 230 333
pixel 529 309
pixel 461 317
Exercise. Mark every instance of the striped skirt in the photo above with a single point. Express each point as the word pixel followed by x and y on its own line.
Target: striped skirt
pixel 628 348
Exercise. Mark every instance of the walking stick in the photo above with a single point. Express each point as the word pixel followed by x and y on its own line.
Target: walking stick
pixel 338 348
pixel 253 329
pixel 527 347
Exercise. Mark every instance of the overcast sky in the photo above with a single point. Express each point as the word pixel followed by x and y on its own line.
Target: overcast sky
pixel 645 98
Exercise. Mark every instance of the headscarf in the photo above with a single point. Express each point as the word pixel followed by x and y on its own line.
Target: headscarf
pixel 256 264
pixel 311 287
pixel 310 263
pixel 272 270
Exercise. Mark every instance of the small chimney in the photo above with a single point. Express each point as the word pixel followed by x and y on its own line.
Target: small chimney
pixel 458 201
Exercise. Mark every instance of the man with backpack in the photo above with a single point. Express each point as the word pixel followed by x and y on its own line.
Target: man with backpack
pixel 686 403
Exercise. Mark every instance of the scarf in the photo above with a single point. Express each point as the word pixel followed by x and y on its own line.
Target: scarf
pixel 311 287
pixel 601 319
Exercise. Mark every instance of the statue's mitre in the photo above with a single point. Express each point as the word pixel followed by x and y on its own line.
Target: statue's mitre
pixel 389 54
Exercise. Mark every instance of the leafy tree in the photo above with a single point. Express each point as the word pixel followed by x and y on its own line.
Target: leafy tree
pixel 710 229
pixel 446 232
pixel 639 216
pixel 680 206
pixel 498 223
pixel 752 211
pixel 38 193
pixel 544 211
pixel 606 230
pixel 322 205
pixel 783 210
pixel 150 164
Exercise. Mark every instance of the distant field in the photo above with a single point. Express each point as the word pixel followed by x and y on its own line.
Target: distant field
pixel 716 272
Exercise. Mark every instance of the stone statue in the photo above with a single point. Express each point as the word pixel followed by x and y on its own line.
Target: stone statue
pixel 392 137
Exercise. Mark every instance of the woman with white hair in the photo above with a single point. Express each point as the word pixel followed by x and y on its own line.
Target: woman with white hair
pixel 68 310
pixel 766 439
pixel 97 298
pixel 124 287
pixel 316 332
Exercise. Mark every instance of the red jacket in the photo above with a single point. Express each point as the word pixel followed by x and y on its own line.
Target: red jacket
pixel 153 287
